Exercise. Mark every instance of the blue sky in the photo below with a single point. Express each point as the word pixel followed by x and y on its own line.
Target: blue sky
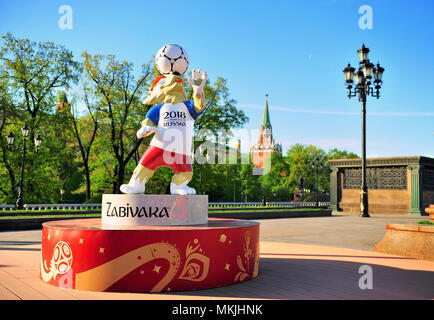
pixel 293 50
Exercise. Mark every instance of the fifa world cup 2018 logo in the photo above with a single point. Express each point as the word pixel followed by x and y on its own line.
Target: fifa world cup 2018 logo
pixel 62 257
pixel 60 263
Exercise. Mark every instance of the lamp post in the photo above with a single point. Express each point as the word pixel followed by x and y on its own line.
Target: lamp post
pixel 201 150
pixel 200 179
pixel 10 139
pixel 316 166
pixel 363 88
pixel 301 187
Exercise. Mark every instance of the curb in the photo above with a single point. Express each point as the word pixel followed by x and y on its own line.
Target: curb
pixel 408 240
pixel 30 223
pixel 36 223
pixel 211 209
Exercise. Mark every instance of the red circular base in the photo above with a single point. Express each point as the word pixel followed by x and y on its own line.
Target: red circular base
pixel 83 254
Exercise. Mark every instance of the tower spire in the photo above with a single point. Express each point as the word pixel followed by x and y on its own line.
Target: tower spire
pixel 266 118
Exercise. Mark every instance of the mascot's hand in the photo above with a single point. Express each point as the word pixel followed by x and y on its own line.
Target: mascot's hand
pixel 195 75
pixel 146 130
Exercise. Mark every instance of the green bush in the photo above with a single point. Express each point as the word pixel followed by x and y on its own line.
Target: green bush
pixel 426 222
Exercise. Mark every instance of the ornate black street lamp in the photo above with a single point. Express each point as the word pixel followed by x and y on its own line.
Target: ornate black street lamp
pixel 10 139
pixel 201 162
pixel 363 88
pixel 316 166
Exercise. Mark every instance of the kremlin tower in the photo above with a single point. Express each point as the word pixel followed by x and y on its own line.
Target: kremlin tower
pixel 261 152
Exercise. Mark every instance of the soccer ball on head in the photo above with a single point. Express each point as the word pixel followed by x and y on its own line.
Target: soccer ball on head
pixel 172 58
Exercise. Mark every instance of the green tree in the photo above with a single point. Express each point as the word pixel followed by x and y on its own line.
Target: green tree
pixel 301 158
pixel 84 130
pixel 340 154
pixel 277 182
pixel 249 184
pixel 113 84
pixel 29 74
pixel 221 112
pixel 8 178
pixel 34 70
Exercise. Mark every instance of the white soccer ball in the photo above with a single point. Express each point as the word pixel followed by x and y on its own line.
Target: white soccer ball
pixel 172 58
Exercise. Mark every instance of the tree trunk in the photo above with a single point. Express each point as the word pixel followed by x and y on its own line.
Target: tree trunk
pixel 119 177
pixel 87 173
pixel 13 186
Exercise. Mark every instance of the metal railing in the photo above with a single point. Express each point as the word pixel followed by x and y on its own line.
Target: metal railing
pixel 7 207
pixel 55 206
pixel 95 206
pixel 286 204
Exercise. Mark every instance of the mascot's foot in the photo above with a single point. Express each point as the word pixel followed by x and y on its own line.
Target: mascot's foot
pixel 129 189
pixel 182 189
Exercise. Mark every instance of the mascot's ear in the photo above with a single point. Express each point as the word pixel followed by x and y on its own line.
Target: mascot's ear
pixel 152 92
pixel 154 83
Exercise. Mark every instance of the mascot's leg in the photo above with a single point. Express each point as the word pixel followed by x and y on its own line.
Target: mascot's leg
pixel 137 182
pixel 179 183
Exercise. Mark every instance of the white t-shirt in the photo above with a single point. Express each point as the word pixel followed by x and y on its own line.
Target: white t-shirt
pixel 175 124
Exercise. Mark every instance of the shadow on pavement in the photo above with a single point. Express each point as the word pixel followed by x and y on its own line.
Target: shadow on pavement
pixel 17 245
pixel 286 278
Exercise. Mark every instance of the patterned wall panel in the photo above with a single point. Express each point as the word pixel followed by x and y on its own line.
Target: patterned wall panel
pixel 428 178
pixel 381 178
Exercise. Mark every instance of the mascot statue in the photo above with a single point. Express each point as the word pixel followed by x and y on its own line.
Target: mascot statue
pixel 171 120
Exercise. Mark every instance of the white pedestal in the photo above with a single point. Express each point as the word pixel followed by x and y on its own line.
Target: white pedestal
pixel 154 210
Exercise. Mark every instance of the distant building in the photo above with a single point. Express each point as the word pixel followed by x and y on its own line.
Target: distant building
pixel 396 185
pixel 261 152
pixel 63 105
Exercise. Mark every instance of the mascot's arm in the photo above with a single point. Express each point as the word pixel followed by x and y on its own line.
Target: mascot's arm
pixel 198 81
pixel 149 125
pixel 199 101
pixel 148 122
